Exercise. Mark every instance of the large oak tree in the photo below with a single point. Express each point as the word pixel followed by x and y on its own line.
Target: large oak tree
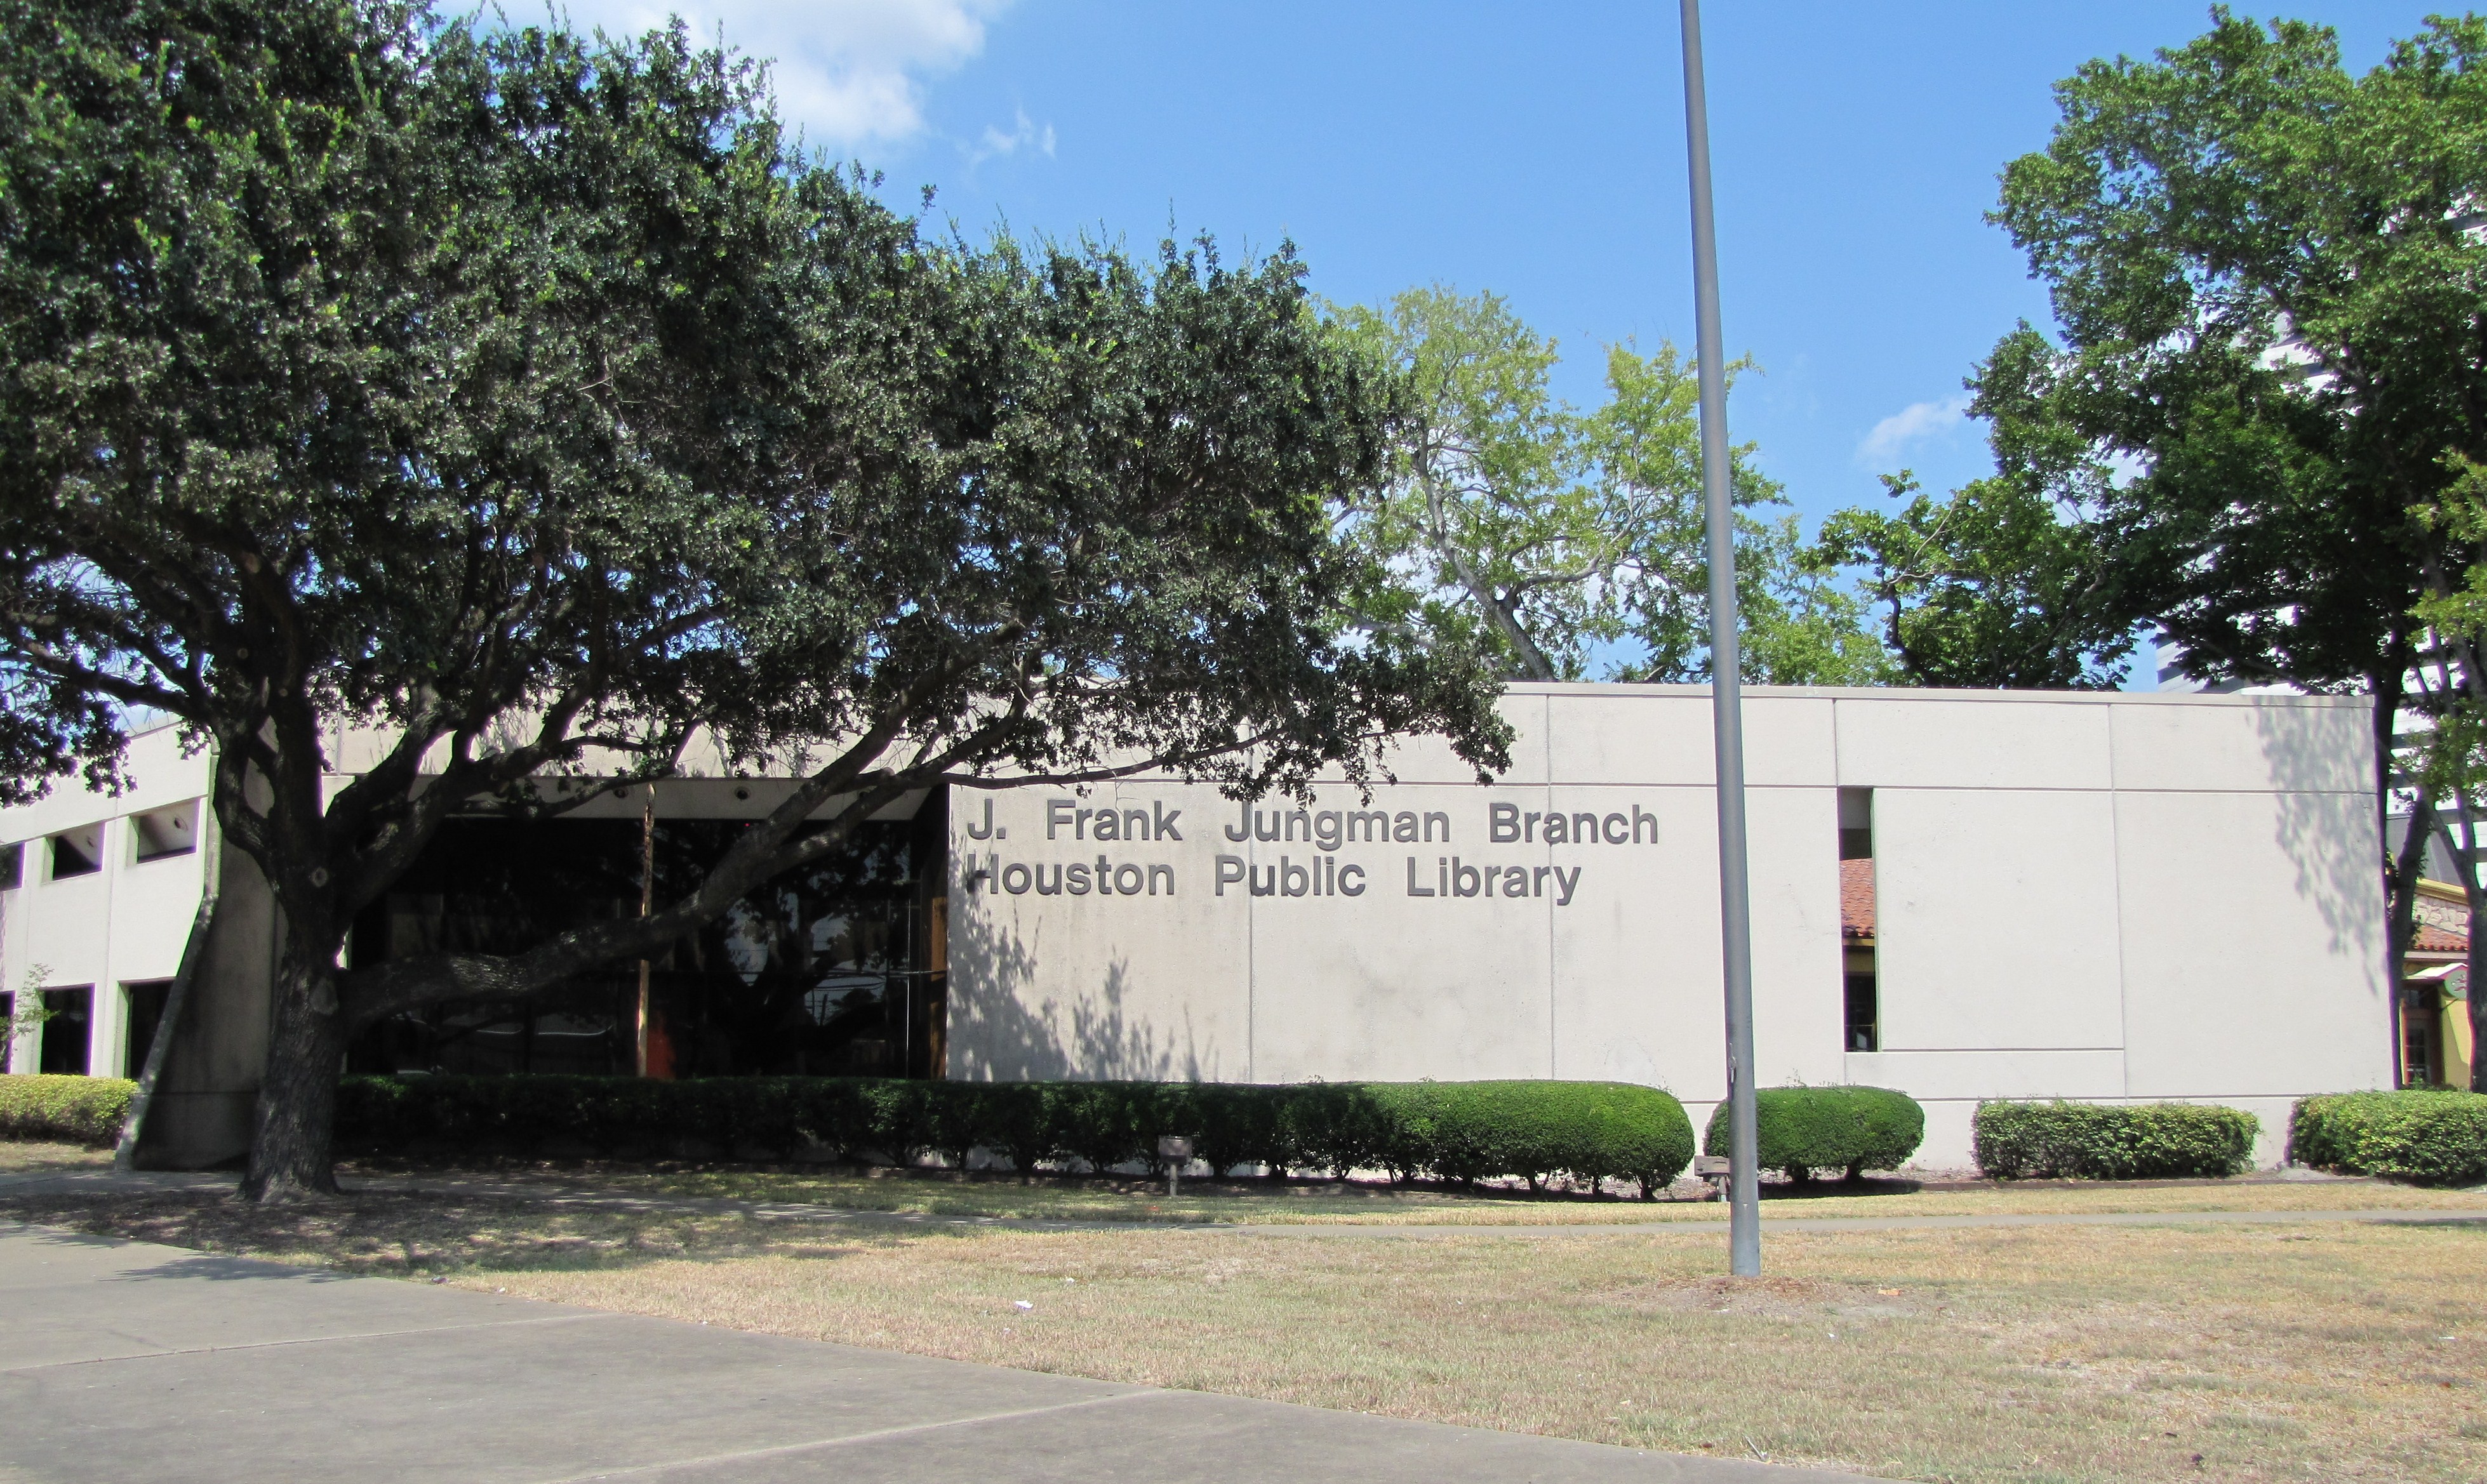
pixel 2269 278
pixel 524 402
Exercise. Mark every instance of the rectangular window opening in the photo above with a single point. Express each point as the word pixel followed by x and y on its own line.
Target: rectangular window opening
pixel 141 1013
pixel 1855 824
pixel 2418 1036
pixel 77 852
pixel 160 833
pixel 66 1033
pixel 13 866
pixel 1862 1030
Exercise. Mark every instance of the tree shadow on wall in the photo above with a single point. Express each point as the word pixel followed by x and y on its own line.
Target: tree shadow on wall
pixel 2319 788
pixel 1004 1028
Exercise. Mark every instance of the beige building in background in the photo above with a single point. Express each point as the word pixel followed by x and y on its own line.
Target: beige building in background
pixel 95 898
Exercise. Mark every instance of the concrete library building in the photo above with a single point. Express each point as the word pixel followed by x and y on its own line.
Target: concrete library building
pixel 1963 895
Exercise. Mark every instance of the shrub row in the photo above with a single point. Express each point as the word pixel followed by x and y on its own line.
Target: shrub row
pixel 2111 1141
pixel 1800 1130
pixel 2436 1135
pixel 1452 1130
pixel 77 1109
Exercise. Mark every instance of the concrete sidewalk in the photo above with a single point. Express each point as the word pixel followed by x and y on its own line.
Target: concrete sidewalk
pixel 124 1361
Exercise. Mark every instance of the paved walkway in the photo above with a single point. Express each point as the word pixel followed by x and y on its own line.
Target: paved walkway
pixel 124 1361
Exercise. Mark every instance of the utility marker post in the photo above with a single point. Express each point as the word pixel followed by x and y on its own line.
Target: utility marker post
pixel 1727 701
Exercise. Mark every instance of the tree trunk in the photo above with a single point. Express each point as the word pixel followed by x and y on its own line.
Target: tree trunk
pixel 291 1157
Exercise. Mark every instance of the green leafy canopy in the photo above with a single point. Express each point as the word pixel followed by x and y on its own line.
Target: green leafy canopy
pixel 2270 279
pixel 448 406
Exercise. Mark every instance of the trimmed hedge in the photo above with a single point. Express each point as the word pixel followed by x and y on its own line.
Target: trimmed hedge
pixel 2064 1141
pixel 1453 1130
pixel 1800 1130
pixel 2437 1136
pixel 77 1109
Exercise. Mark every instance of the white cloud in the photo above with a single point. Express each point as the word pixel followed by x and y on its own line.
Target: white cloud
pixel 1913 423
pixel 1025 135
pixel 846 71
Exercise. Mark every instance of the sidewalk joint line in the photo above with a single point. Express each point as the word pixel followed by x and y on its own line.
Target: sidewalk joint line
pixel 782 1451
pixel 310 1339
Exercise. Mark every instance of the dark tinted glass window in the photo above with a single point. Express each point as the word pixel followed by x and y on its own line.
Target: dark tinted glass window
pixel 817 973
pixel 146 1013
pixel 1864 1033
pixel 65 1035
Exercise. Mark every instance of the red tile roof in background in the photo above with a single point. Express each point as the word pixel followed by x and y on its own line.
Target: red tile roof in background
pixel 1856 900
pixel 2429 939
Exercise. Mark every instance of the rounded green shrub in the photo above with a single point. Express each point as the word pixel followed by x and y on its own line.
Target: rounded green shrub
pixel 2435 1136
pixel 1593 1132
pixel 2062 1140
pixel 72 1110
pixel 1633 1133
pixel 1849 1129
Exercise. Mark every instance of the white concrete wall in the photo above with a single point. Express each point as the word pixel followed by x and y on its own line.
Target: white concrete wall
pixel 122 924
pixel 2109 898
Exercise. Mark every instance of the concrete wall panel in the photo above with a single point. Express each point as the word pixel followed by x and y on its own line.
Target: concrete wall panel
pixel 1662 734
pixel 1095 985
pixel 1899 740
pixel 1388 984
pixel 1982 1074
pixel 1799 1001
pixel 1634 957
pixel 1998 920
pixel 2286 744
pixel 1431 760
pixel 66 936
pixel 2253 944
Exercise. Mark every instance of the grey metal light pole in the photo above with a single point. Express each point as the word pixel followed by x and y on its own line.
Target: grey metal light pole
pixel 1726 701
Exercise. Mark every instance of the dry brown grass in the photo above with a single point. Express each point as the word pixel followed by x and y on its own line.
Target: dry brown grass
pixel 2319 1351
pixel 18 1155
pixel 934 1192
pixel 1994 1354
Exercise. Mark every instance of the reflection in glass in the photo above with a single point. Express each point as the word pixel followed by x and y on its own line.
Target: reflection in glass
pixel 818 972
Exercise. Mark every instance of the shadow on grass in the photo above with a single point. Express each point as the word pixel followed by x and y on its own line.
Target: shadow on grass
pixel 1783 1189
pixel 429 1235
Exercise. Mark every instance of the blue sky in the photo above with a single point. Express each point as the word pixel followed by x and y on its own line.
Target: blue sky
pixel 1537 152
